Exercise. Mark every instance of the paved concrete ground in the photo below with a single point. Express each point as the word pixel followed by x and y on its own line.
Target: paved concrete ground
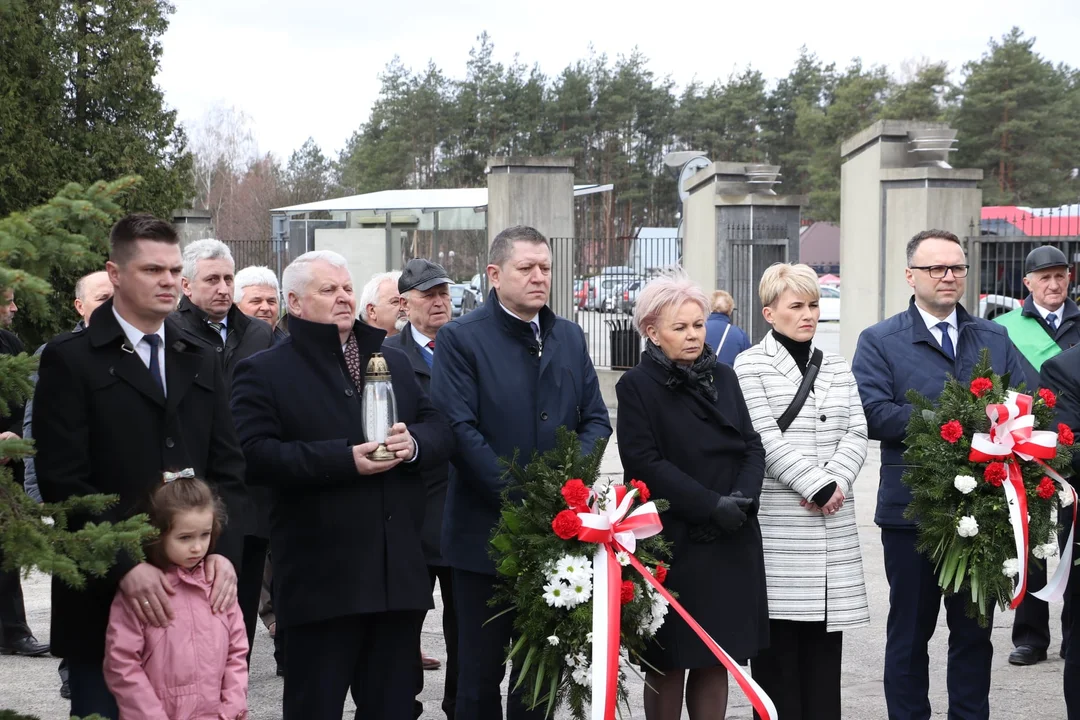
pixel 31 685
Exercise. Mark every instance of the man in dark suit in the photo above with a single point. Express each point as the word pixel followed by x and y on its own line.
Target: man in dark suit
pixel 918 349
pixel 507 375
pixel 350 580
pixel 1047 324
pixel 15 635
pixel 1062 375
pixel 425 296
pixel 115 406
pixel 208 313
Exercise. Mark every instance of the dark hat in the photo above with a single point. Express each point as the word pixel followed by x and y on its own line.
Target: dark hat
pixel 420 274
pixel 1044 257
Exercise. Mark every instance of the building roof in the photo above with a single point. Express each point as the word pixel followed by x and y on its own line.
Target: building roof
pixel 1040 222
pixel 820 244
pixel 424 200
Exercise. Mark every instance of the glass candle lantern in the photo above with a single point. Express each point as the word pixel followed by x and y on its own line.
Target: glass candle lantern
pixel 379 407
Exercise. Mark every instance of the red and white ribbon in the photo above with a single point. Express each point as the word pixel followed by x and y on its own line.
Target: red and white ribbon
pixel 614 530
pixel 1012 435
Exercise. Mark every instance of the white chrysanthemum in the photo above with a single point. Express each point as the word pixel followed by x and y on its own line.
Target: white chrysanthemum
pixel 588 637
pixel 555 595
pixel 577 593
pixel 965 483
pixel 553 640
pixel 968 527
pixel 1010 568
pixel 623 557
pixel 574 569
pixel 1066 498
pixel 569 660
pixel 1045 551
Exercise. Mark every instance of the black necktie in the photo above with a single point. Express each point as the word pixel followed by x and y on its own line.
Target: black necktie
pixel 155 369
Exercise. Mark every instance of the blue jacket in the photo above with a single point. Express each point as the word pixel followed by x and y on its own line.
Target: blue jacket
pixel 503 394
pixel 899 354
pixel 736 340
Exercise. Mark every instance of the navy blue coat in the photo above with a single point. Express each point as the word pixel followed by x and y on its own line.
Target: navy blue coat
pixel 343 543
pixel 503 394
pixel 1066 336
pixel 736 341
pixel 899 354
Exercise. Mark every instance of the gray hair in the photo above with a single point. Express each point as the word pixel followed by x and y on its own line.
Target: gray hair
pixel 370 294
pixel 297 275
pixel 502 247
pixel 80 284
pixel 208 249
pixel 254 275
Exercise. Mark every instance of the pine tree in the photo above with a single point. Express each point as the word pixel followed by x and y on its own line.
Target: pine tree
pixel 57 239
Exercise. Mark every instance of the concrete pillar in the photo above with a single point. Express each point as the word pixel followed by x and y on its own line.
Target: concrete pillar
pixel 735 227
pixel 894 182
pixel 538 192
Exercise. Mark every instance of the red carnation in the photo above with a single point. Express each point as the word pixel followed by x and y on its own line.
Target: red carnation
pixel 995 474
pixel 626 594
pixel 660 573
pixel 981 386
pixel 575 493
pixel 1048 397
pixel 1046 488
pixel 566 524
pixel 952 431
pixel 642 489
pixel 1065 434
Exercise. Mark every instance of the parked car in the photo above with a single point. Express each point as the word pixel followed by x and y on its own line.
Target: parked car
pixel 624 297
pixel 602 285
pixel 829 304
pixel 990 305
pixel 581 293
pixel 464 299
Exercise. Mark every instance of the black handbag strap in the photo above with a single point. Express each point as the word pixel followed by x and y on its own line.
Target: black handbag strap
pixel 804 392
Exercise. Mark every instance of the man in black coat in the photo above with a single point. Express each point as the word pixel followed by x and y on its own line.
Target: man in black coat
pixel 507 375
pixel 425 296
pixel 208 313
pixel 1047 324
pixel 115 406
pixel 15 635
pixel 350 578
pixel 1061 374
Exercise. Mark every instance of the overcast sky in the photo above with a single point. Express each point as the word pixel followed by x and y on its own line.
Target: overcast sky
pixel 310 68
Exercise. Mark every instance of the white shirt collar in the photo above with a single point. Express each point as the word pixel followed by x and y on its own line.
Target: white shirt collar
pixel 420 338
pixel 525 320
pixel 931 321
pixel 1044 312
pixel 133 334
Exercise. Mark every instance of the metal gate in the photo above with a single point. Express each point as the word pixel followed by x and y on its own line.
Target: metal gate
pixel 752 250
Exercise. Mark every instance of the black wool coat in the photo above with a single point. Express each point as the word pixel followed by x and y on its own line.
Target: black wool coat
pixel 690 451
pixel 343 543
pixel 246 337
pixel 436 480
pixel 101 425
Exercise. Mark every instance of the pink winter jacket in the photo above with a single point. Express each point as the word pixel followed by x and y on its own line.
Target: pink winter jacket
pixel 194 669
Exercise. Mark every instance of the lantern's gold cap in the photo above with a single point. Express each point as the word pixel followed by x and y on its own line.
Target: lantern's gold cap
pixel 377 369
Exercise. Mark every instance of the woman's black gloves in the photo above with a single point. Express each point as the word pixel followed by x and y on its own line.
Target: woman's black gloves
pixel 730 512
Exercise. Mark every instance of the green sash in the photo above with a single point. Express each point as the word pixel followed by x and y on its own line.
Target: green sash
pixel 1029 337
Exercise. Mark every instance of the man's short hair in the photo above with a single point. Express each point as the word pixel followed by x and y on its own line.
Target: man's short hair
pixel 503 244
pixel 80 285
pixel 297 275
pixel 915 242
pixel 254 275
pixel 370 294
pixel 208 249
pixel 138 226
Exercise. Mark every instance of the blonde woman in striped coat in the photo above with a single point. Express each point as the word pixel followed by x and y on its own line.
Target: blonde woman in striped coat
pixel 813 565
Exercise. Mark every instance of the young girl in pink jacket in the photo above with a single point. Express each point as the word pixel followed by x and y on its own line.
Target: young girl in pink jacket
pixel 196 667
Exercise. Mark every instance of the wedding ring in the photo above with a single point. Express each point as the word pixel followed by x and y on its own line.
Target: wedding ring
pixel 145 602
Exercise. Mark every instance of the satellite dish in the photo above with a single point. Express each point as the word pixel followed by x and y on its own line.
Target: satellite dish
pixel 689 169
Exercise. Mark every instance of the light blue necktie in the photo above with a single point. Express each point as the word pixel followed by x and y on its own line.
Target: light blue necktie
pixel 1051 320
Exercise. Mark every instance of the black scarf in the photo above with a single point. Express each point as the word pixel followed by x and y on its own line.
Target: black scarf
pixel 698 376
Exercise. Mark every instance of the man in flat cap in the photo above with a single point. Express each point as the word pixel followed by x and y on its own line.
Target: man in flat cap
pixel 1048 323
pixel 424 289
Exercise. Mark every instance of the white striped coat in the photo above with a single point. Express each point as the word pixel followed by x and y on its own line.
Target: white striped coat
pixel 813 564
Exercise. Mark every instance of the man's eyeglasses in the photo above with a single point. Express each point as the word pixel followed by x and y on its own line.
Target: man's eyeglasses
pixel 938 272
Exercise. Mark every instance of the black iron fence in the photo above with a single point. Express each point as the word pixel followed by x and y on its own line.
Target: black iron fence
pixel 998 248
pixel 752 248
pixel 596 282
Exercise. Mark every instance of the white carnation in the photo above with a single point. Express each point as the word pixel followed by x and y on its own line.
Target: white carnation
pixel 1045 551
pixel 582 674
pixel 1010 568
pixel 965 483
pixel 968 527
pixel 1066 498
